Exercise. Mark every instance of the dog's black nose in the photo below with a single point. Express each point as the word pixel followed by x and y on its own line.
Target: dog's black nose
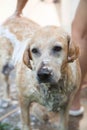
pixel 44 74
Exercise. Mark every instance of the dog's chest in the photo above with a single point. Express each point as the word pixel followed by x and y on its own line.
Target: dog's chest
pixel 53 97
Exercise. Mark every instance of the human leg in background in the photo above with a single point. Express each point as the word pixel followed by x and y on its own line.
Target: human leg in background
pixel 79 35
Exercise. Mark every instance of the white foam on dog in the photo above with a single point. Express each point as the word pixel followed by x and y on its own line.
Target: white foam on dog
pixel 19 46
pixel 7 34
pixel 19 51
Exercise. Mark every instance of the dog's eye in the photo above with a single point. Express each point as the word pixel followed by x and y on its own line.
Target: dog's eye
pixel 57 48
pixel 35 50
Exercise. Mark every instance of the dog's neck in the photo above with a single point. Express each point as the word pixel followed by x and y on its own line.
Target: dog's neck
pixel 54 95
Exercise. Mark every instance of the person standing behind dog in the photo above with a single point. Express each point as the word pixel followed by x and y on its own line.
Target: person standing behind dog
pixel 79 35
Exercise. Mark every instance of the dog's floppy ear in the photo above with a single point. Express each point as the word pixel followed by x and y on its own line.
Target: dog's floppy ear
pixel 73 50
pixel 27 58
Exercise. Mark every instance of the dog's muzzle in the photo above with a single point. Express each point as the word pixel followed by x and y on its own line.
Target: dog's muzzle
pixel 44 75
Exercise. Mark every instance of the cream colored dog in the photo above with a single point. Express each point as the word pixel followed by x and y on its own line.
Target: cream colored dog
pixel 19 27
pixel 48 73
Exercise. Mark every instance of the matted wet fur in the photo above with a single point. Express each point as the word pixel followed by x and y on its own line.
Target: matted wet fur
pixel 48 74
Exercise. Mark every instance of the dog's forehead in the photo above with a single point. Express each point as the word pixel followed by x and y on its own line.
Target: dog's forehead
pixel 50 35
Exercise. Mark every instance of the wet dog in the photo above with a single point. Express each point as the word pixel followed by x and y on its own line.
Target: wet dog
pixel 21 28
pixel 48 73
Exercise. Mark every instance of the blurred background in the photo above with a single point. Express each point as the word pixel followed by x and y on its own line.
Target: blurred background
pixel 43 12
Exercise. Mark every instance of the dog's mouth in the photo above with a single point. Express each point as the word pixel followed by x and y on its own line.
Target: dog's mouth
pixel 46 78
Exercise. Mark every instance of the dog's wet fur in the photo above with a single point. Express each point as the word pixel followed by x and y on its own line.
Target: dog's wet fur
pixel 49 73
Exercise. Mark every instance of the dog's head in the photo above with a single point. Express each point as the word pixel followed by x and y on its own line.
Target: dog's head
pixel 50 50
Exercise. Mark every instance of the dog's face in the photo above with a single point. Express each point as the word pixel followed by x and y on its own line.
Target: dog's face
pixel 49 51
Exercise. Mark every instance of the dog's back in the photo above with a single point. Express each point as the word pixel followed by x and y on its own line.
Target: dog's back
pixel 13 32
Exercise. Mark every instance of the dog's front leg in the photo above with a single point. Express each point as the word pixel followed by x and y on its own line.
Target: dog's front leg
pixel 64 118
pixel 24 105
pixel 6 88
